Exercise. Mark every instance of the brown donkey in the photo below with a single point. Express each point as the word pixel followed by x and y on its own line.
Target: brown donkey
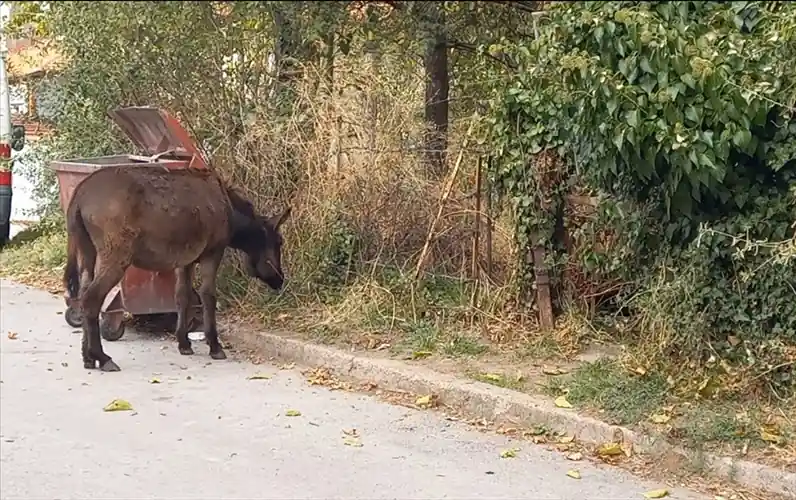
pixel 159 220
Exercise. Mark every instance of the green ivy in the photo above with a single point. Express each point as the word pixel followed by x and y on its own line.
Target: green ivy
pixel 680 109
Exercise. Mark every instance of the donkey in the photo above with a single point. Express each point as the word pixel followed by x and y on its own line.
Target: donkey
pixel 161 220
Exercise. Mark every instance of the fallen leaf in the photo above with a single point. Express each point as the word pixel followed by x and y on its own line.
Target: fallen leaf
pixel 536 431
pixel 118 405
pixel 510 453
pixel 660 418
pixel 561 402
pixel 733 340
pixel 292 413
pixel 566 439
pixel 770 434
pixel 352 441
pixel 553 370
pixel 421 354
pixel 575 456
pixel 12 335
pixel 424 401
pixel 154 380
pixel 609 450
pixel 657 493
pixel 492 377
pixel 640 370
pixel 574 474
pixel 258 376
pixel 707 388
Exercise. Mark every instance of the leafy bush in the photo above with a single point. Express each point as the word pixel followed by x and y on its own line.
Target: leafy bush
pixel 682 110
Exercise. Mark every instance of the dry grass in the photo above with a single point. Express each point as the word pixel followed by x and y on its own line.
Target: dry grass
pixel 349 162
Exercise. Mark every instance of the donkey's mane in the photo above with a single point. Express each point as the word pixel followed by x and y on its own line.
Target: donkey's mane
pixel 239 203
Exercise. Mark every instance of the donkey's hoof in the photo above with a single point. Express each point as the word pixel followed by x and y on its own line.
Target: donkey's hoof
pixel 186 351
pixel 110 366
pixel 218 355
pixel 89 365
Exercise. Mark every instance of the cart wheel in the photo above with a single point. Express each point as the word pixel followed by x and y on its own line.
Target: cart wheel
pixel 110 331
pixel 73 317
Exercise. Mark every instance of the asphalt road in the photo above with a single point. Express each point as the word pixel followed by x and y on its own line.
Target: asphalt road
pixel 206 432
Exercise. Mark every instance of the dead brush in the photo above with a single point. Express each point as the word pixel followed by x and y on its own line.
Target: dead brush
pixel 363 202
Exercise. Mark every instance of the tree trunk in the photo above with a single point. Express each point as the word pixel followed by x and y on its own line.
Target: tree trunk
pixel 437 90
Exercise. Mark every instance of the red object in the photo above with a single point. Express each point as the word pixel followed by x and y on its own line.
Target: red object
pixel 5 150
pixel 5 178
pixel 155 132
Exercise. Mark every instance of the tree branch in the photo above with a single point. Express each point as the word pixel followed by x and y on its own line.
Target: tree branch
pixel 453 44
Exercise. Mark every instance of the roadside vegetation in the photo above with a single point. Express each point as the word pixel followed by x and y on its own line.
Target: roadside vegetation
pixel 428 149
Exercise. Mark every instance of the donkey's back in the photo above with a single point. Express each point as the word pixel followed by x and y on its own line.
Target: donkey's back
pixel 158 219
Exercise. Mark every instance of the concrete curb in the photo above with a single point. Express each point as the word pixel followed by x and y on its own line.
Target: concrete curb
pixel 504 406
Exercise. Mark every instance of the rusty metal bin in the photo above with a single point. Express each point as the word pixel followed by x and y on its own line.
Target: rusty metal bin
pixel 164 144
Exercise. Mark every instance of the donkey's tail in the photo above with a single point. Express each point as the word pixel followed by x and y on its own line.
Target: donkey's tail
pixel 76 234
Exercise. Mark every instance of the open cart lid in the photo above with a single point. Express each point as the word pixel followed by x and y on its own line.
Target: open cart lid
pixel 155 131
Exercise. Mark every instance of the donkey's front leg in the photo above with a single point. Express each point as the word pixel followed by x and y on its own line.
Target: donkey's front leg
pixel 208 267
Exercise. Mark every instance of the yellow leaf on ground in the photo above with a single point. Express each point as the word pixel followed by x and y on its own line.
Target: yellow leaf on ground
pixel 258 376
pixel 660 418
pixel 421 354
pixel 493 377
pixel 118 405
pixel 154 380
pixel 575 456
pixel 292 413
pixel 352 441
pixel 770 434
pixel 510 453
pixel 561 402
pixel 423 400
pixel 657 493
pixel 609 449
pixel 574 474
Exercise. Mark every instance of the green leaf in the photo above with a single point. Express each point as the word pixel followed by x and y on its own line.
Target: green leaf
pixel 633 118
pixel 742 138
pixel 611 105
pixel 619 137
pixel 691 114
pixel 688 80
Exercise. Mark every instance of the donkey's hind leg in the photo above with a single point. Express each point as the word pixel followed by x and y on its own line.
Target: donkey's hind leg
pixel 92 297
pixel 86 277
pixel 208 267
pixel 183 298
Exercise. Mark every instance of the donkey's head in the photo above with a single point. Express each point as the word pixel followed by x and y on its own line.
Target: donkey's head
pixel 264 255
pixel 258 237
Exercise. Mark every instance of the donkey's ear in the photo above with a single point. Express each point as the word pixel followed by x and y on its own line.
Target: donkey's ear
pixel 278 220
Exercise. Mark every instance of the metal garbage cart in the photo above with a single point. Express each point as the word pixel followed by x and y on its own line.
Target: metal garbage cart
pixel 165 144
